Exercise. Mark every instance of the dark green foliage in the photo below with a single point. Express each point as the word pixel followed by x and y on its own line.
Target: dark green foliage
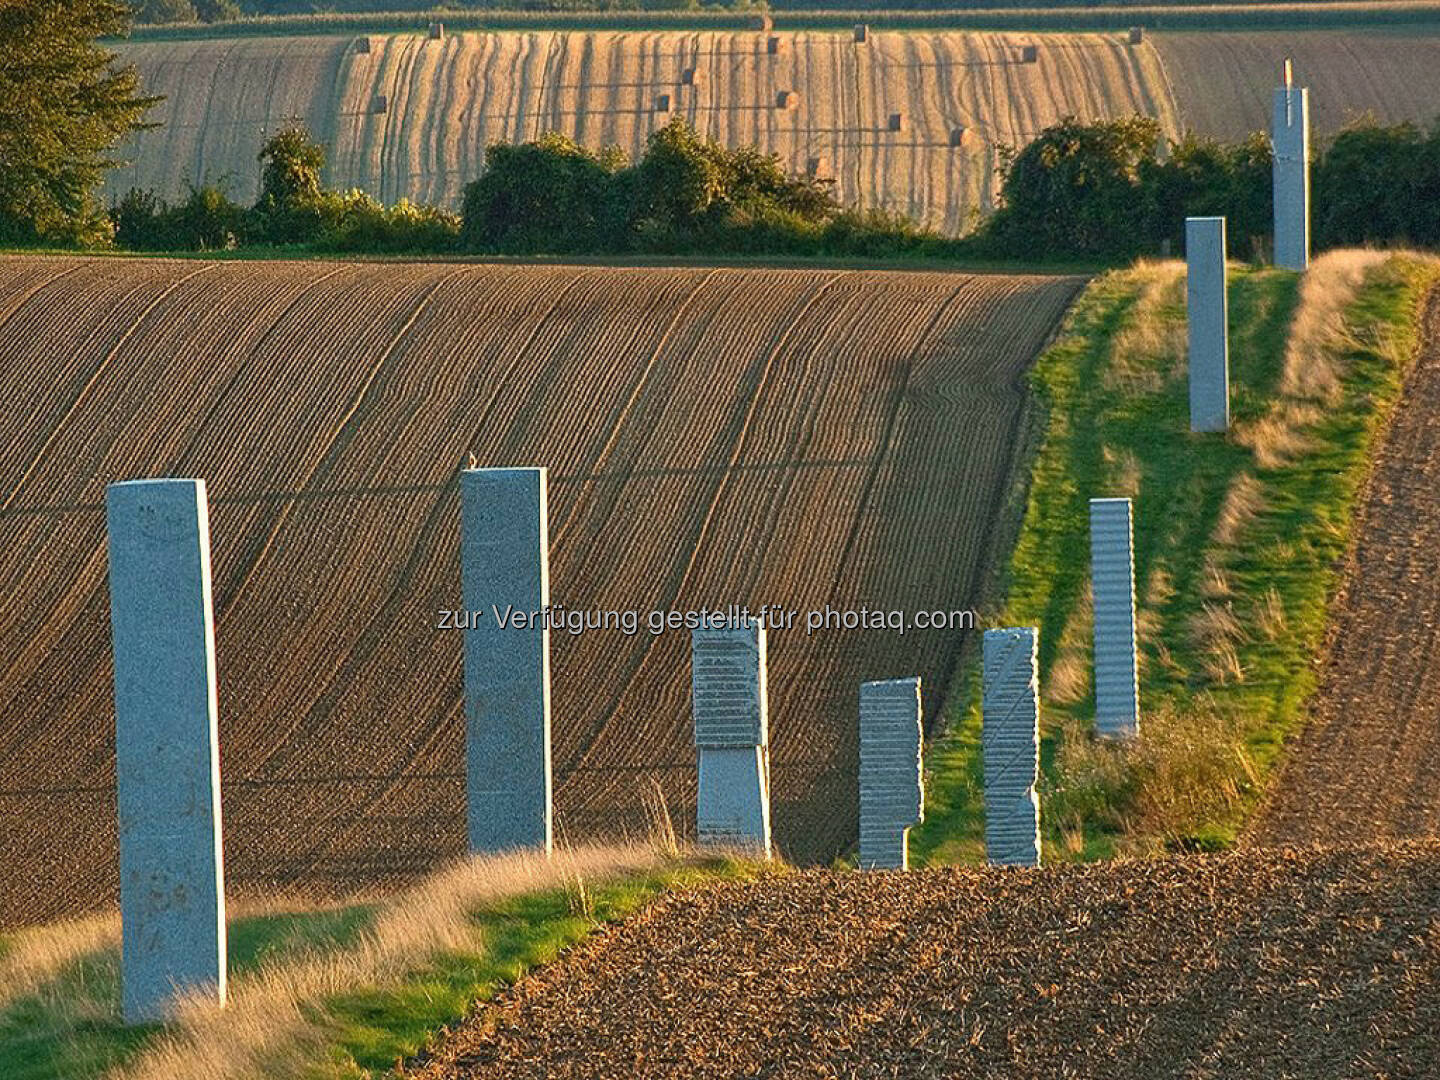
pixel 206 221
pixel 291 209
pixel 1209 178
pixel 1081 190
pixel 551 195
pixel 354 222
pixel 64 106
pixel 1377 184
pixel 687 194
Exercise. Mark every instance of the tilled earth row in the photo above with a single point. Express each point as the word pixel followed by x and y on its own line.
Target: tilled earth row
pixel 1367 766
pixel 1322 963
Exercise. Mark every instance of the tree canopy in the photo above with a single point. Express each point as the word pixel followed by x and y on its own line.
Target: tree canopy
pixel 66 106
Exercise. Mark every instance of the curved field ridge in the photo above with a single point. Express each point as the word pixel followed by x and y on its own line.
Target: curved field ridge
pixel 447 100
pixel 799 437
pixel 1259 964
pixel 1367 764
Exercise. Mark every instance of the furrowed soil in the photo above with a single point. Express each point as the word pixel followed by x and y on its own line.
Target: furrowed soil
pixel 1367 765
pixel 1252 964
pixel 714 436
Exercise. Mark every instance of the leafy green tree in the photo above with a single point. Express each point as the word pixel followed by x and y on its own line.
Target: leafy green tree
pixel 550 195
pixel 292 207
pixel 1207 178
pixel 66 104
pixel 1079 190
pixel 217 10
pixel 165 11
pixel 1378 184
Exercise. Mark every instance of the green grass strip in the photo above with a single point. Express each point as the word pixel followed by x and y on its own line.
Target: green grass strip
pixel 1113 408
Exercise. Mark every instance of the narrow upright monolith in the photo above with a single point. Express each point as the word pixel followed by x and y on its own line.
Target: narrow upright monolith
pixel 1112 581
pixel 1207 316
pixel 732 735
pixel 505 580
pixel 892 792
pixel 167 755
pixel 1291 174
pixel 1010 746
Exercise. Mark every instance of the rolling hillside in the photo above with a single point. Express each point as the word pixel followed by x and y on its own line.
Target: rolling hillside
pixel 445 101
pixel 799 437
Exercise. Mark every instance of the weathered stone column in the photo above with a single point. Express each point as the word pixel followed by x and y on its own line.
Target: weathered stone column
pixel 1112 579
pixel 505 577
pixel 167 756
pixel 732 735
pixel 1010 744
pixel 1290 137
pixel 892 792
pixel 1207 314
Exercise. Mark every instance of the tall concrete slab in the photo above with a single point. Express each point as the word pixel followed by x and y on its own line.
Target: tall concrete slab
pixel 732 735
pixel 1010 746
pixel 505 572
pixel 1290 139
pixel 167 748
pixel 1207 316
pixel 1112 580
pixel 892 786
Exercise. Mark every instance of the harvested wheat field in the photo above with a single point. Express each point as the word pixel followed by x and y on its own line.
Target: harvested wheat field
pixel 1367 765
pixel 1256 964
pixel 412 117
pixel 1223 82
pixel 800 437
pixel 445 101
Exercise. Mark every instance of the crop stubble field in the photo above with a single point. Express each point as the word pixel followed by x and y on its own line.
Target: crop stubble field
pixel 447 100
pixel 800 437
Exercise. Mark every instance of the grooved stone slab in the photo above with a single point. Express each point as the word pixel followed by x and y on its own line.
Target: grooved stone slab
pixel 892 789
pixel 1112 573
pixel 1290 135
pixel 732 734
pixel 1207 313
pixel 504 561
pixel 1010 745
pixel 167 756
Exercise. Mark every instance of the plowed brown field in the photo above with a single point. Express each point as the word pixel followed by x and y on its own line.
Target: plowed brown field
pixel 800 437
pixel 1258 964
pixel 1367 765
pixel 447 100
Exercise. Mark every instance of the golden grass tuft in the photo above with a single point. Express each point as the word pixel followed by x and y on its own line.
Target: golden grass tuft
pixel 1122 472
pixel 1316 345
pixel 1244 500
pixel 1068 682
pixel 1270 614
pixel 1149 349
pixel 267 1027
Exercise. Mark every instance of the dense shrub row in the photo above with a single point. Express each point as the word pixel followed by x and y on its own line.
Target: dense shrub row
pixel 1095 192
pixel 1104 190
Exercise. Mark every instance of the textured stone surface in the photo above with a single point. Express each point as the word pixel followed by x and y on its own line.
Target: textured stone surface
pixel 732 735
pixel 1290 136
pixel 1010 743
pixel 1112 573
pixel 504 562
pixel 1207 319
pixel 172 895
pixel 892 790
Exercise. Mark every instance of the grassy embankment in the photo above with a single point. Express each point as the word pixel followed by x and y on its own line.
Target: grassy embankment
pixel 331 992
pixel 1237 539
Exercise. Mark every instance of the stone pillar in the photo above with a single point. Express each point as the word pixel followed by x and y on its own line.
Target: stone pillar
pixel 1207 316
pixel 1010 744
pixel 1291 141
pixel 1112 581
pixel 505 564
pixel 892 792
pixel 167 747
pixel 732 735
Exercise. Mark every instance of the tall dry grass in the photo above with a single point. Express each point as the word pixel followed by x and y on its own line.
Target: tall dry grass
pixel 269 1028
